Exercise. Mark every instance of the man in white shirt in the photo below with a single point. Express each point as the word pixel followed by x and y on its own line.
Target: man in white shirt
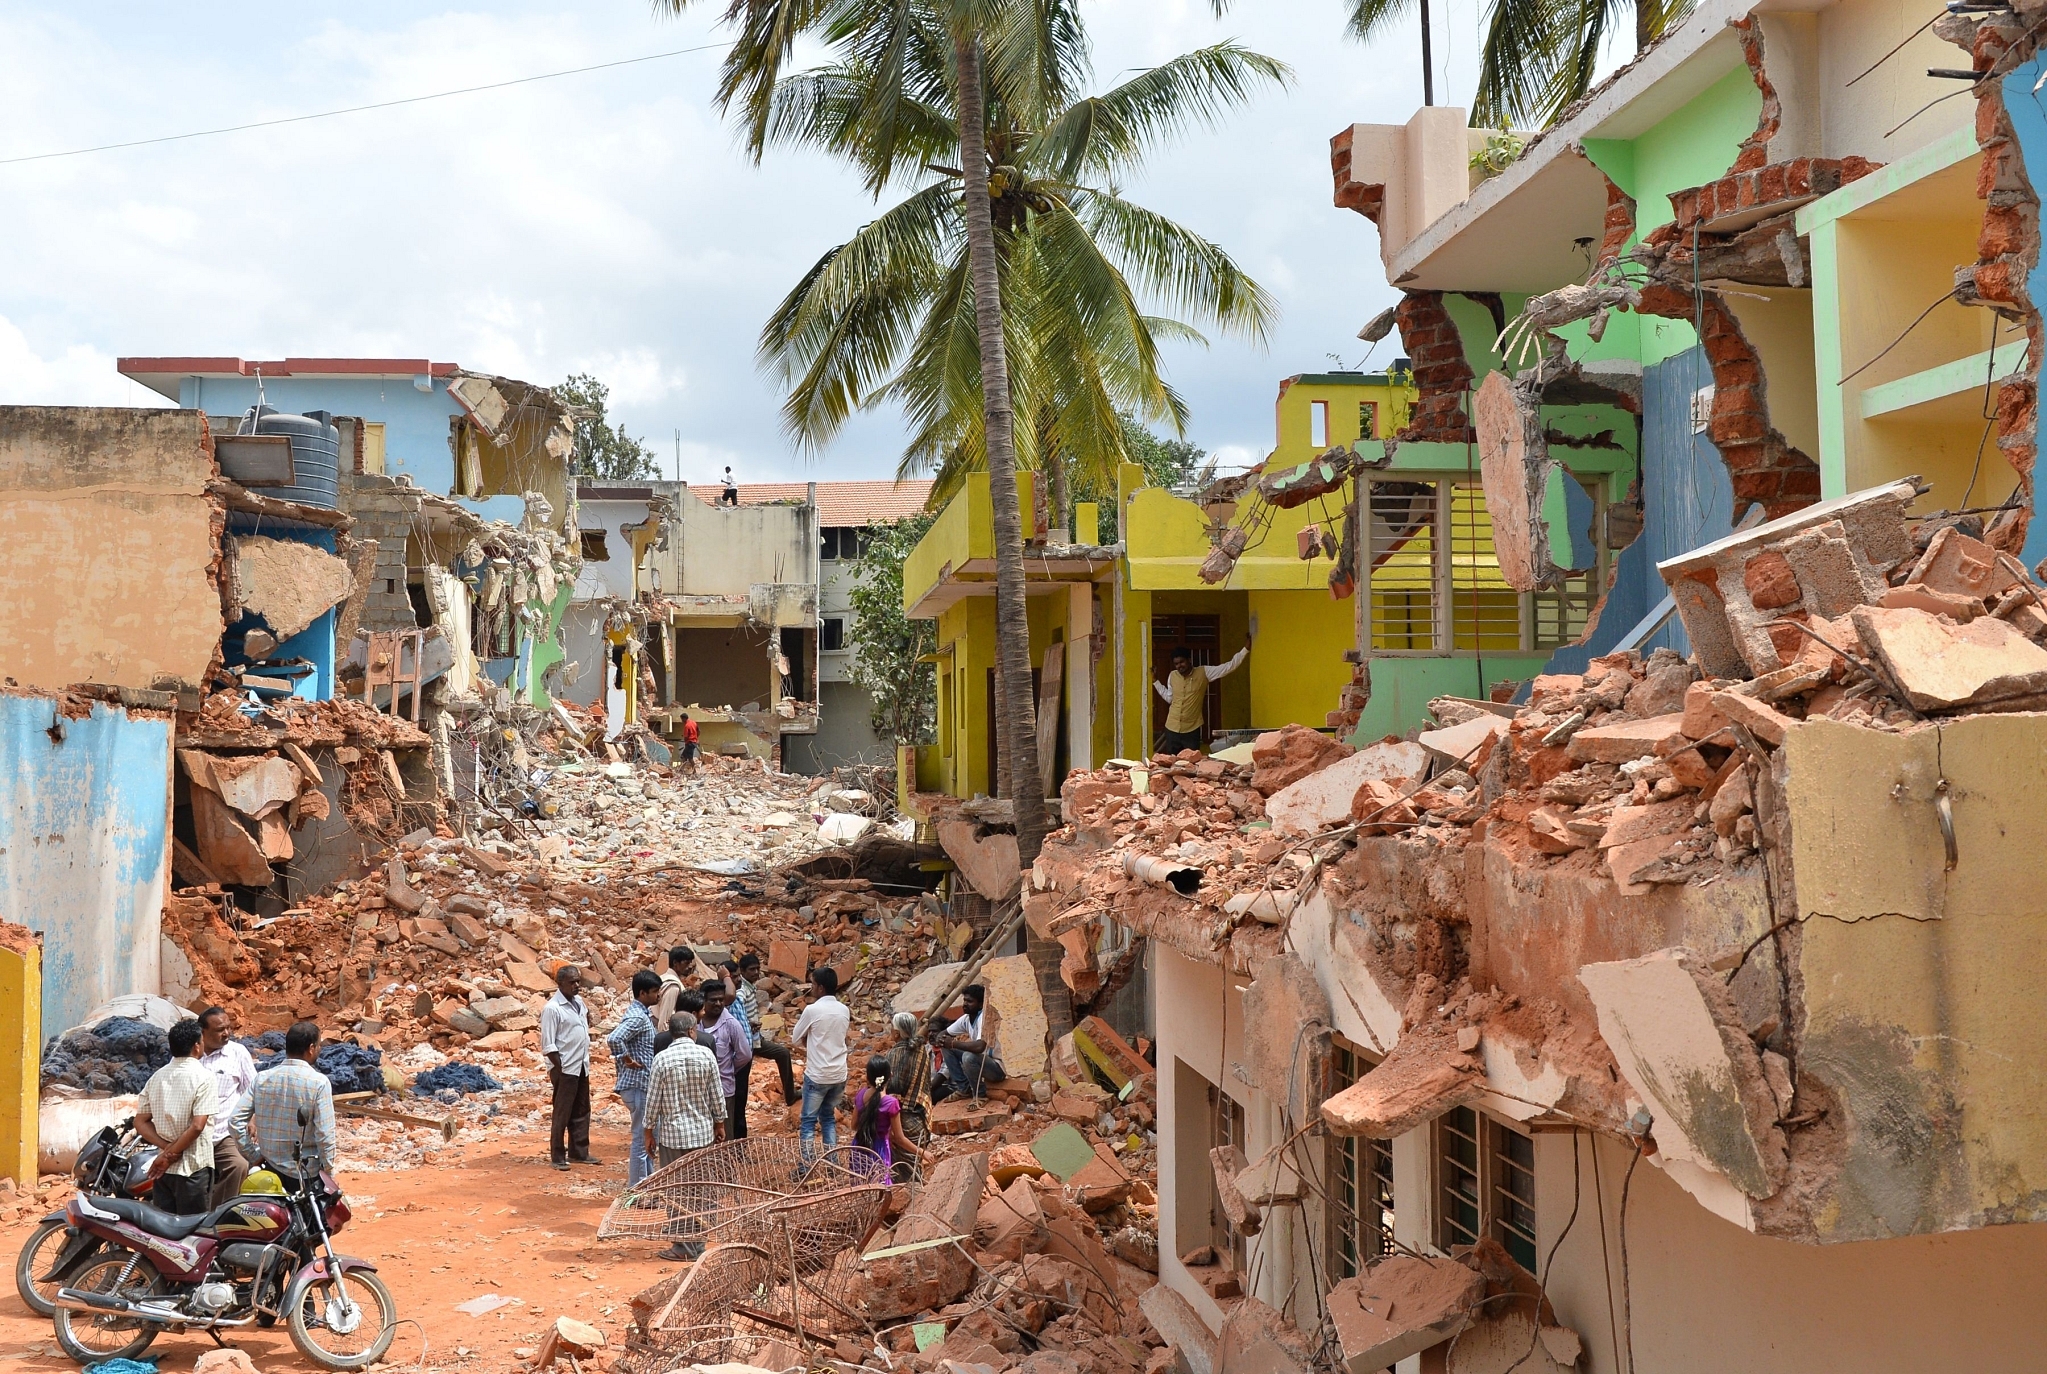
pixel 973 1049
pixel 177 1104
pixel 565 1040
pixel 234 1075
pixel 730 495
pixel 821 1034
pixel 1185 692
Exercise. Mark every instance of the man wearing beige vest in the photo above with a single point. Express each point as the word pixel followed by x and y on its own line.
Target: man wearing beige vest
pixel 1185 692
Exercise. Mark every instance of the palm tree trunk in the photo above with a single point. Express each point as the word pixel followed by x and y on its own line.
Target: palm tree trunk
pixel 1019 722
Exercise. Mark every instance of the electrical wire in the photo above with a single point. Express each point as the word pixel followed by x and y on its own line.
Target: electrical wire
pixel 1901 46
pixel 1945 296
pixel 1627 1292
pixel 356 109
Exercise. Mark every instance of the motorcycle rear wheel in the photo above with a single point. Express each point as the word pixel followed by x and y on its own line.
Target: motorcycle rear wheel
pixel 91 1337
pixel 38 1253
pixel 375 1318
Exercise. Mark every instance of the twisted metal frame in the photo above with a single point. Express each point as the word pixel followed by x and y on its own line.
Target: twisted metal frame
pixel 709 1195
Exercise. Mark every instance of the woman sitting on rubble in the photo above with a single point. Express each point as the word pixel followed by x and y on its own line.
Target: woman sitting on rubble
pixel 878 1124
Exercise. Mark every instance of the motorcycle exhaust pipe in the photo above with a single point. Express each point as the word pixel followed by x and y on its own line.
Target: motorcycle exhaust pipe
pixel 74 1301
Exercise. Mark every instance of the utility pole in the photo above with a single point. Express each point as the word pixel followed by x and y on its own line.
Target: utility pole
pixel 1428 62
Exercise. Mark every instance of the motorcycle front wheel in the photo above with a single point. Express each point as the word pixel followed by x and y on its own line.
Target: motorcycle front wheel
pixel 344 1321
pixel 93 1337
pixel 32 1277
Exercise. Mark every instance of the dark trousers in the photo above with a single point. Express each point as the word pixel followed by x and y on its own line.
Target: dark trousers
pixel 768 1049
pixel 183 1194
pixel 1173 741
pixel 568 1133
pixel 735 1105
pixel 230 1167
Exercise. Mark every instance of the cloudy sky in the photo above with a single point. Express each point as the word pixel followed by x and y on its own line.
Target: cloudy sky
pixel 601 222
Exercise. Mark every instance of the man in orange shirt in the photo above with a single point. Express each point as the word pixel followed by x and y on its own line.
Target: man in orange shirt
pixel 689 740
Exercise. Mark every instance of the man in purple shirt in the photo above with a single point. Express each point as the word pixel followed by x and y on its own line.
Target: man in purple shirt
pixel 733 1046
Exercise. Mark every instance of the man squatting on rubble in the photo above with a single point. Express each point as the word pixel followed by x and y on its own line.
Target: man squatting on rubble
pixel 732 1043
pixel 234 1078
pixel 291 1110
pixel 685 1109
pixel 821 1034
pixel 973 1059
pixel 565 1040
pixel 1185 692
pixel 632 1050
pixel 177 1103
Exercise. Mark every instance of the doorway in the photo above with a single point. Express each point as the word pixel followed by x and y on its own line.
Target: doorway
pixel 1201 637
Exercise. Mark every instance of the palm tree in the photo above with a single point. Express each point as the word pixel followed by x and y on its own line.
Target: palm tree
pixel 915 60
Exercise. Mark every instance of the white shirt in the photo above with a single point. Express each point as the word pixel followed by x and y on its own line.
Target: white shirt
pixel 821 1030
pixel 565 1030
pixel 970 1027
pixel 234 1074
pixel 176 1093
pixel 1210 671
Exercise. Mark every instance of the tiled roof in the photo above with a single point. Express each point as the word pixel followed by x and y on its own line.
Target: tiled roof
pixel 838 503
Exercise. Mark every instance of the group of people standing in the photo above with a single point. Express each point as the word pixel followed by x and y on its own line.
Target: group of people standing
pixel 684 1052
pixel 213 1118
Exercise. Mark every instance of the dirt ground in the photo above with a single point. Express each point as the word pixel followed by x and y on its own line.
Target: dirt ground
pixel 488 1217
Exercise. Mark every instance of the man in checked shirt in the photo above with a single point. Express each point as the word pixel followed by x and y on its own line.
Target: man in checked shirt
pixel 632 1050
pixel 685 1107
pixel 290 1109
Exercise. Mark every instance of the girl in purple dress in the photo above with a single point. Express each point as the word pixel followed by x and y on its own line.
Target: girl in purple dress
pixel 878 1121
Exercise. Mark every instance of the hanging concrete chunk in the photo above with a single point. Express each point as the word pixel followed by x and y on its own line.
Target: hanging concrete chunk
pixel 288 583
pixel 1679 1043
pixel 988 863
pixel 224 846
pixel 1424 1076
pixel 1985 665
pixel 1401 1307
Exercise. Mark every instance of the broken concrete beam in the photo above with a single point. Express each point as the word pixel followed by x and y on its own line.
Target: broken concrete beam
pixel 1281 758
pixel 1401 1307
pixel 1632 739
pixel 1173 1318
pixel 1764 722
pixel 1985 665
pixel 1423 1077
pixel 960 1115
pixel 1322 799
pixel 1678 1040
pixel 1918 596
pixel 1225 1162
pixel 1051 914
pixel 989 864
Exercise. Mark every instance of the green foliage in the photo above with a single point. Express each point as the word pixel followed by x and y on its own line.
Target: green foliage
pixel 886 643
pixel 1502 149
pixel 603 452
pixel 1091 283
pixel 1166 463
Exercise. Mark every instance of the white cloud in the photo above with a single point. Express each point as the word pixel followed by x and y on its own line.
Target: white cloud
pixel 78 374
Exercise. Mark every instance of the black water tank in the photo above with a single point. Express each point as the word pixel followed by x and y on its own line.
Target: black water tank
pixel 315 453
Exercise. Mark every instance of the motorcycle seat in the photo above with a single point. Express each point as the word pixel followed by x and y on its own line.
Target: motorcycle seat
pixel 140 1214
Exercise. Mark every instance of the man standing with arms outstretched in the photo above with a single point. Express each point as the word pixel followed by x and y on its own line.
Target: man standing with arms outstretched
pixel 1185 692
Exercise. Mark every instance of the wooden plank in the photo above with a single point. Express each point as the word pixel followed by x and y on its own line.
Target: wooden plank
pixel 1048 716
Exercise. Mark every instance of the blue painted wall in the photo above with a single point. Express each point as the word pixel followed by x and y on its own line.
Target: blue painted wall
pixel 1688 500
pixel 315 643
pixel 2029 122
pixel 415 421
pixel 84 848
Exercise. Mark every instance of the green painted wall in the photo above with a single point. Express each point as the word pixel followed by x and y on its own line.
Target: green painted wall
pixel 1696 144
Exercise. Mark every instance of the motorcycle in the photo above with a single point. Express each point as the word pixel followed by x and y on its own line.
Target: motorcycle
pixel 115 1163
pixel 267 1254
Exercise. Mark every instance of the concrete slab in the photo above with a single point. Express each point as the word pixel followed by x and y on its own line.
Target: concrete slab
pixel 1322 799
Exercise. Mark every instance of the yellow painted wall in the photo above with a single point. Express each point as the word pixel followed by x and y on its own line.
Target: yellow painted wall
pixel 21 1024
pixel 1297 667
pixel 1293 412
pixel 966 652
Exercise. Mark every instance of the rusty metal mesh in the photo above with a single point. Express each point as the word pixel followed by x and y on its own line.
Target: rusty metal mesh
pixel 743 1303
pixel 708 1195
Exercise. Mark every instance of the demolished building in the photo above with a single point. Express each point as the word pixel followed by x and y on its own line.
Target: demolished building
pixel 1667 1014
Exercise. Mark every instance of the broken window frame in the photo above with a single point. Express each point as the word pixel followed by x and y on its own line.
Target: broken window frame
pixel 831 634
pixel 1359 1192
pixel 594 549
pixel 1542 620
pixel 1497 1160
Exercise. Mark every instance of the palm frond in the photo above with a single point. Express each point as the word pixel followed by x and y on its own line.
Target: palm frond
pixel 1188 273
pixel 1115 130
pixel 1037 56
pixel 1368 19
